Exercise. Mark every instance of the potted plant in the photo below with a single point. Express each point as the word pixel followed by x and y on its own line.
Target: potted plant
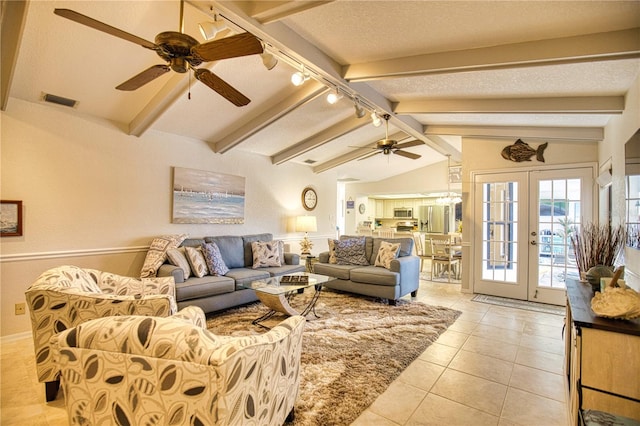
pixel 596 245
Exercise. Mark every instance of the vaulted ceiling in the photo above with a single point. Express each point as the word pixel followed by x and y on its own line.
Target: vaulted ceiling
pixel 442 70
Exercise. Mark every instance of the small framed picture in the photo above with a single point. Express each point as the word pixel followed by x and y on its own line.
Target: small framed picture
pixel 10 218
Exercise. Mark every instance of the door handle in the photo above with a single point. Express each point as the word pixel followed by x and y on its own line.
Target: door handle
pixel 533 243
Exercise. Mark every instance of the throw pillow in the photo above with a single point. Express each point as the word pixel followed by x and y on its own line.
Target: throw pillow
pixel 157 253
pixel 197 262
pixel 177 257
pixel 351 251
pixel 332 251
pixel 266 253
pixel 386 253
pixel 214 259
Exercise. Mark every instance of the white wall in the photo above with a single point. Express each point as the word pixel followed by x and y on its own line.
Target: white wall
pixel 95 197
pixel 617 132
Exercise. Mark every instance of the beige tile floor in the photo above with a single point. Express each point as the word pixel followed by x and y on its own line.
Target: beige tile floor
pixel 493 366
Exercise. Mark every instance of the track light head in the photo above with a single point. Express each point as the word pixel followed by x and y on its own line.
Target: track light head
pixel 360 112
pixel 334 97
pixel 209 30
pixel 298 78
pixel 268 60
pixel 375 120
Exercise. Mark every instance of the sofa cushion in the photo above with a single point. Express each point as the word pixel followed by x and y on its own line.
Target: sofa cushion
pixel 198 288
pixel 374 275
pixel 368 246
pixel 386 253
pixel 406 247
pixel 332 251
pixel 196 261
pixel 341 272
pixel 177 257
pixel 246 275
pixel 351 251
pixel 248 251
pixel 157 253
pixel 214 260
pixel 266 253
pixel 231 248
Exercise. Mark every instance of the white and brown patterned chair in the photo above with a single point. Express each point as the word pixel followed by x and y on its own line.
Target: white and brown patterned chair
pixel 166 371
pixel 66 296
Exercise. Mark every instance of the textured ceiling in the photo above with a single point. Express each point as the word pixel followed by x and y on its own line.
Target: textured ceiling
pixel 442 69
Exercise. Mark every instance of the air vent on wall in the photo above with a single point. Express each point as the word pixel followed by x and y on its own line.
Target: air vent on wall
pixel 59 100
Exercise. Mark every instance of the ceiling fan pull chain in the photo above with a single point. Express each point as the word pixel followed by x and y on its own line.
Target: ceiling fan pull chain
pixel 190 76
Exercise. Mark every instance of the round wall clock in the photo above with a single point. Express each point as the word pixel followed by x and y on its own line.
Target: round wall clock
pixel 309 198
pixel 362 208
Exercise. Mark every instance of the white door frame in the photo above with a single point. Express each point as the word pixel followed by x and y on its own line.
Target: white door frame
pixel 473 229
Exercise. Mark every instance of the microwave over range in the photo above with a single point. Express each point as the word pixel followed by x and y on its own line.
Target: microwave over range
pixel 401 213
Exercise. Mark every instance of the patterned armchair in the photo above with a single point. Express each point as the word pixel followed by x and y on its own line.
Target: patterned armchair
pixel 66 296
pixel 165 371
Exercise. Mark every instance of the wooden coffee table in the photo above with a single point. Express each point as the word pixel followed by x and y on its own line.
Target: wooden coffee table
pixel 276 295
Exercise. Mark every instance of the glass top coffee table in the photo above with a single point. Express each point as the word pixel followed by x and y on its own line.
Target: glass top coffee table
pixel 276 293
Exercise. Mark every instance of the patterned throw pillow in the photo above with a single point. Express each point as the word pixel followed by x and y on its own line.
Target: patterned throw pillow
pixel 266 253
pixel 178 258
pixel 197 262
pixel 386 253
pixel 214 259
pixel 351 251
pixel 332 251
pixel 157 253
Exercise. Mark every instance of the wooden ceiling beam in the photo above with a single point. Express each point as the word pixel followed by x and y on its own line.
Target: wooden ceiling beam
pixel 557 105
pixel 612 45
pixel 340 129
pixel 304 95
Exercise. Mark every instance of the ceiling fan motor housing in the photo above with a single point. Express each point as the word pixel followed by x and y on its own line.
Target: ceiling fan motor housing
pixel 175 48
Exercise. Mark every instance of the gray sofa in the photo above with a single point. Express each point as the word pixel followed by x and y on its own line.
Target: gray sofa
pixel 216 293
pixel 400 279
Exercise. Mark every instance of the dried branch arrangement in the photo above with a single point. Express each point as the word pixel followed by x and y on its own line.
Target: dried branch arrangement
pixel 597 245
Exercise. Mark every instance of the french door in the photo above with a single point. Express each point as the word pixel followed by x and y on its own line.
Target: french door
pixel 522 245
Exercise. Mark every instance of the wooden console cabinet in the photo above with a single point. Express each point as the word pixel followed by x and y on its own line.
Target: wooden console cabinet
pixel 602 358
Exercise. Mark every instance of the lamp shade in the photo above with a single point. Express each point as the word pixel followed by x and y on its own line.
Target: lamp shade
pixel 306 224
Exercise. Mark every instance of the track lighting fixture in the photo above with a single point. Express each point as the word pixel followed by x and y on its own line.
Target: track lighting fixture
pixel 268 60
pixel 375 120
pixel 298 78
pixel 334 97
pixel 210 29
pixel 360 112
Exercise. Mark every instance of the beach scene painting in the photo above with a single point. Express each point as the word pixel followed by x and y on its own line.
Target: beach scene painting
pixel 10 218
pixel 200 196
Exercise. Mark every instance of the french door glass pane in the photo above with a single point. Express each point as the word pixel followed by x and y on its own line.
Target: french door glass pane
pixel 559 217
pixel 499 230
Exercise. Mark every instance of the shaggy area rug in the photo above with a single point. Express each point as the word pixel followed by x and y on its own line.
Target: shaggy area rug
pixel 351 353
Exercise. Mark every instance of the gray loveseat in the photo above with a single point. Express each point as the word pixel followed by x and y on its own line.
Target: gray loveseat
pixel 400 279
pixel 216 293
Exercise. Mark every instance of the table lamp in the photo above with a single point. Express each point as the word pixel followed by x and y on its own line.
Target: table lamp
pixel 306 224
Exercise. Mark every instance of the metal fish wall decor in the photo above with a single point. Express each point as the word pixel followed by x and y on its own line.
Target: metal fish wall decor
pixel 521 151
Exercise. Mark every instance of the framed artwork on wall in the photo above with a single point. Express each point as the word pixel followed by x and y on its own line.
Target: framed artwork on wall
pixel 200 196
pixel 10 218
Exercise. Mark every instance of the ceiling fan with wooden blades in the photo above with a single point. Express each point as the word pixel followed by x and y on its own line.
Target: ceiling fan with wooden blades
pixel 388 146
pixel 181 53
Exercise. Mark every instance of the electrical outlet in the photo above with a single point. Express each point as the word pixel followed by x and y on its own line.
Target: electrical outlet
pixel 20 308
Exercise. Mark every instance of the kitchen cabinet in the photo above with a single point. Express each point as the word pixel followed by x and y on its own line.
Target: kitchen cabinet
pixel 379 209
pixel 601 358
